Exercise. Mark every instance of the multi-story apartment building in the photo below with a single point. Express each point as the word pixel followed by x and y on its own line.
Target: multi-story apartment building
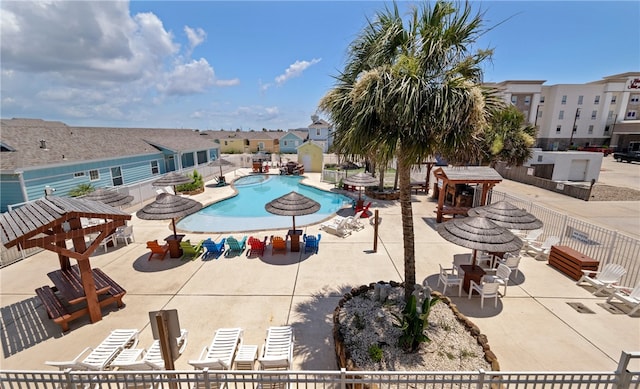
pixel 604 112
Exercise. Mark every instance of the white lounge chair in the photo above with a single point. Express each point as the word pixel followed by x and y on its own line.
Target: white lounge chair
pixel 99 358
pixel 631 299
pixel 503 272
pixel 277 351
pixel 542 250
pixel 531 237
pixel 354 221
pixel 486 290
pixel 151 359
pixel 337 227
pixel 220 353
pixel 449 277
pixel 611 274
pixel 511 261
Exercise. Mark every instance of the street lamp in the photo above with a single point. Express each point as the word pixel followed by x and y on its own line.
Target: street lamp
pixel 574 129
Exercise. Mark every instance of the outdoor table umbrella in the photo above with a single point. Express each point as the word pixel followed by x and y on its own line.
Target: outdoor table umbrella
pixel 172 179
pixel 168 206
pixel 220 162
pixel 109 197
pixel 361 180
pixel 507 215
pixel 479 233
pixel 292 204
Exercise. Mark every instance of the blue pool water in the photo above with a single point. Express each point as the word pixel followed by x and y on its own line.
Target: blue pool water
pixel 246 212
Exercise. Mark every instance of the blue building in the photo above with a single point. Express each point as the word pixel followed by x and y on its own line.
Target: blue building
pixel 38 156
pixel 291 140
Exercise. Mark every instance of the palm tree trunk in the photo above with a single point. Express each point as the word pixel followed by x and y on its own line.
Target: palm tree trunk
pixel 404 174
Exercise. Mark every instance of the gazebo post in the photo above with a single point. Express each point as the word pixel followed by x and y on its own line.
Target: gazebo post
pixel 89 286
pixel 65 263
pixel 441 196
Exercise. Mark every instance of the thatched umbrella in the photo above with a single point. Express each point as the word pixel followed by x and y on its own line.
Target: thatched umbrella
pixel 507 215
pixel 168 206
pixel 172 179
pixel 109 197
pixel 220 162
pixel 479 233
pixel 361 180
pixel 292 204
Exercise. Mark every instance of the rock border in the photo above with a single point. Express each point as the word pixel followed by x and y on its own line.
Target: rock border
pixel 342 357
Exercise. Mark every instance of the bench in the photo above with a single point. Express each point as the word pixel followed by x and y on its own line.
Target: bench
pixel 115 292
pixel 571 262
pixel 56 309
pixel 419 186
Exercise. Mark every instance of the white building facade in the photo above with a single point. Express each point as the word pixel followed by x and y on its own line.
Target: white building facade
pixel 605 112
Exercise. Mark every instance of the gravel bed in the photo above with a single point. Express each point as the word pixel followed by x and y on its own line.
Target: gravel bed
pixel 365 322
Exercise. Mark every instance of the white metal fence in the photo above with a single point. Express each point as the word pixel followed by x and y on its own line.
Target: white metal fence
pixel 622 378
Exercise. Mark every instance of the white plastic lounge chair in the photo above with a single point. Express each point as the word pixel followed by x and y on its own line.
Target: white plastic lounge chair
pixel 354 222
pixel 503 272
pixel 532 236
pixel 611 274
pixel 151 359
pixel 220 353
pixel 277 351
pixel 449 277
pixel 99 358
pixel 631 299
pixel 541 250
pixel 340 228
pixel 486 290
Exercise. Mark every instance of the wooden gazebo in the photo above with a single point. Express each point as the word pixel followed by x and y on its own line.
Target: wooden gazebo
pixel 453 198
pixel 49 222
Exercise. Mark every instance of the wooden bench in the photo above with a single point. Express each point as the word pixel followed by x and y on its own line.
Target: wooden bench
pixel 115 292
pixel 56 309
pixel 571 262
pixel 419 186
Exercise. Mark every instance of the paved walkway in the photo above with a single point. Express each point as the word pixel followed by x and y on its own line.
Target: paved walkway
pixel 533 328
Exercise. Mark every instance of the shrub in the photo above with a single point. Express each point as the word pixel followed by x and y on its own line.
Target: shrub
pixel 413 323
pixel 375 353
pixel 81 190
pixel 198 183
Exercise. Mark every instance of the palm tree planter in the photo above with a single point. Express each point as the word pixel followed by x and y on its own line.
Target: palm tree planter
pixel 387 194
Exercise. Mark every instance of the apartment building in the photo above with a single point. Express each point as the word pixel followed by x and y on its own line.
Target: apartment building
pixel 603 112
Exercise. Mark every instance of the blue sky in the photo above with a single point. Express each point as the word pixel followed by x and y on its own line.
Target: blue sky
pixel 264 64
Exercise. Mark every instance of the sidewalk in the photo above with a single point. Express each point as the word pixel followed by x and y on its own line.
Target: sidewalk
pixel 532 329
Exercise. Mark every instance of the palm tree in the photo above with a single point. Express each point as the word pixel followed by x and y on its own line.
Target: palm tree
pixel 409 91
pixel 508 137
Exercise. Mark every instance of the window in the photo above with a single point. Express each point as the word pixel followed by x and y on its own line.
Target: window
pixel 631 114
pixel 94 175
pixel 78 174
pixel 564 99
pixel 594 115
pixel 285 143
pixel 226 143
pixel 539 113
pixel 317 132
pixel 610 115
pixel 116 176
pixel 514 100
pixel 606 129
pixel 634 99
pixel 541 99
pixel 154 167
pixel 260 146
pixel 558 129
pixel 596 101
pixel 202 157
pixel 613 99
pixel 527 100
pixel 580 98
pixel 539 158
pixel 561 115
pixel 590 130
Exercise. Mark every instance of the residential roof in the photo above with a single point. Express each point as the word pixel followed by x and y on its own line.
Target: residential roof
pixel 469 173
pixel 35 142
pixel 320 123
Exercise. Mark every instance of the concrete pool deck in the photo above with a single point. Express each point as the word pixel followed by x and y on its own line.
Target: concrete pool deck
pixel 532 329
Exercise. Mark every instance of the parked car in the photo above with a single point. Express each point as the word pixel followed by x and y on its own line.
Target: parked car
pixel 601 149
pixel 630 156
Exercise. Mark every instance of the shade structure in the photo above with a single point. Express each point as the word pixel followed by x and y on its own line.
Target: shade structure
pixel 479 233
pixel 361 180
pixel 168 206
pixel 172 179
pixel 292 204
pixel 109 197
pixel 507 215
pixel 220 162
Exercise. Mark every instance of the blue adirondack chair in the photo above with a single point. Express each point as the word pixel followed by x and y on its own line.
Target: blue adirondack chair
pixel 235 246
pixel 311 243
pixel 212 248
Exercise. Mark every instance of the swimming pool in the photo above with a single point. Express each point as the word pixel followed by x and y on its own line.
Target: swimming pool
pixel 246 212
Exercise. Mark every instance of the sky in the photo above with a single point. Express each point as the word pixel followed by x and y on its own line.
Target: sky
pixel 261 64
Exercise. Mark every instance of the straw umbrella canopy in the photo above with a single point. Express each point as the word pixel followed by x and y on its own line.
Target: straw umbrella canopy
pixel 361 180
pixel 168 206
pixel 292 204
pixel 220 162
pixel 172 179
pixel 507 215
pixel 479 233
pixel 109 197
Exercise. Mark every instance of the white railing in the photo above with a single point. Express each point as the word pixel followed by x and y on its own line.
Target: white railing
pixel 622 378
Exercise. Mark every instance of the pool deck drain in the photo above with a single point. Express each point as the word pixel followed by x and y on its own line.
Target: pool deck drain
pixel 581 308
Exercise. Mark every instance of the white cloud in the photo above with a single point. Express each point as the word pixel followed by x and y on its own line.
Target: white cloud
pixel 194 77
pixel 196 36
pixel 295 70
pixel 223 83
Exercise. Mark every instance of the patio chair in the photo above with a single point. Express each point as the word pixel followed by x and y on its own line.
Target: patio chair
pixel 257 246
pixel 189 250
pixel 364 210
pixel 111 239
pixel 338 228
pixel 486 290
pixel 311 243
pixel 235 246
pixel 125 234
pixel 542 250
pixel 354 221
pixel 157 250
pixel 277 350
pixel 611 274
pixel 631 298
pixel 212 249
pixel 151 359
pixel 278 245
pixel 511 261
pixel 532 236
pixel 100 357
pixel 449 277
pixel 220 353
pixel 503 272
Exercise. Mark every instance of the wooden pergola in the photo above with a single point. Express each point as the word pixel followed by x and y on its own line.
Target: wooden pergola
pixel 448 177
pixel 49 222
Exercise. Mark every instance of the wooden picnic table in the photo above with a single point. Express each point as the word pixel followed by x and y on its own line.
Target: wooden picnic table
pixel 69 283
